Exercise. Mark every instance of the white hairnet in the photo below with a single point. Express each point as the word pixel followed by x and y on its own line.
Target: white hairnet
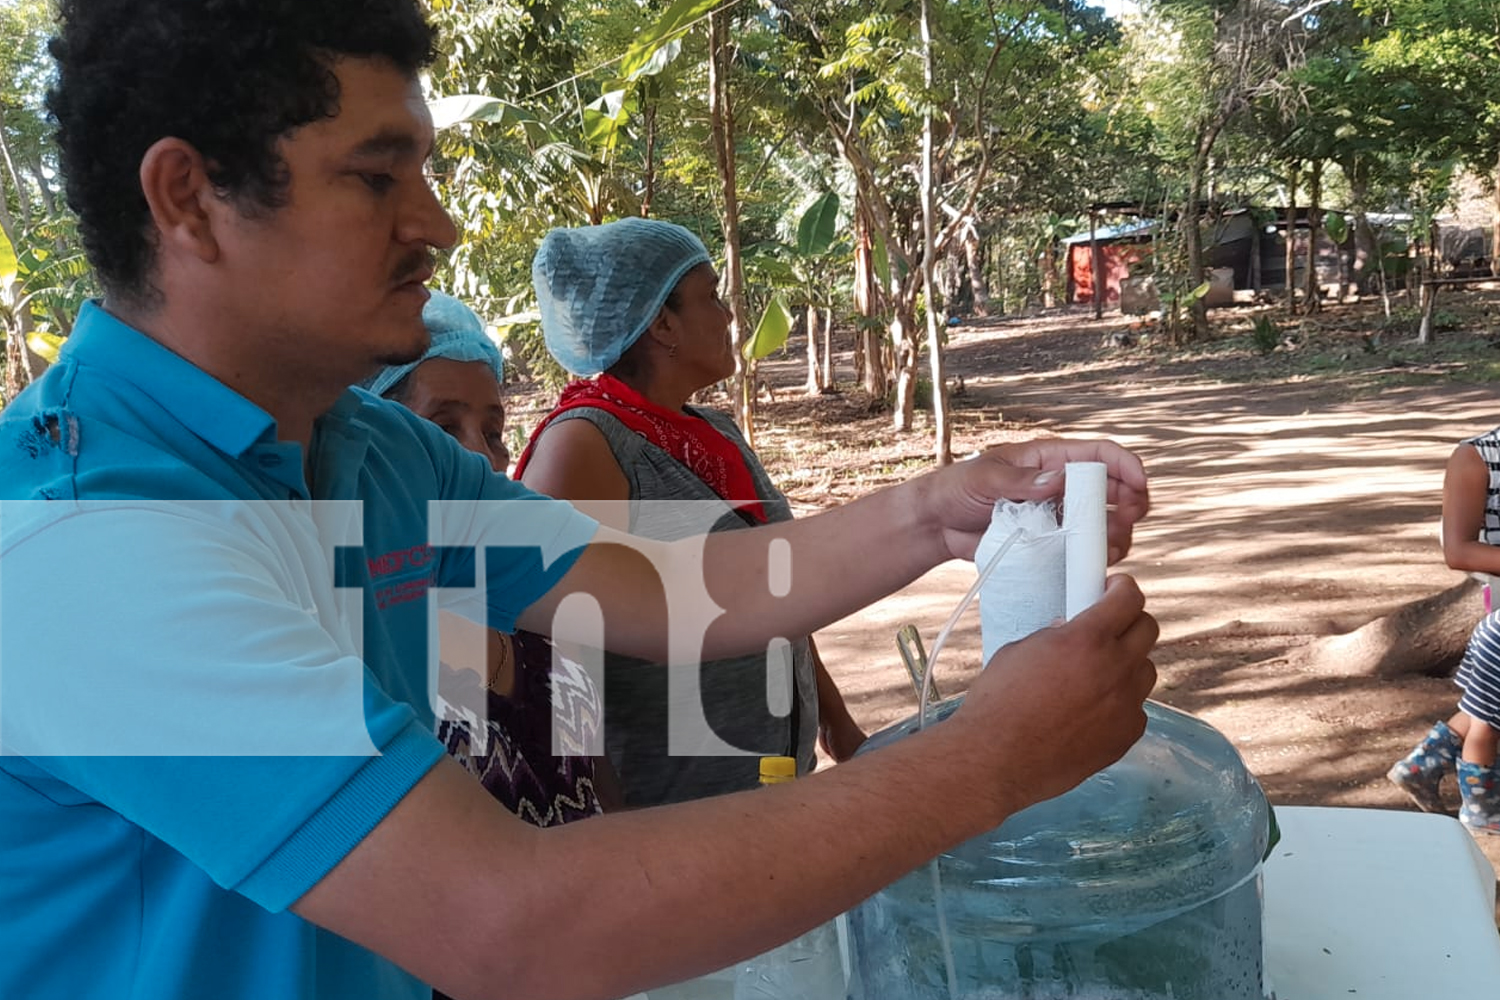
pixel 599 287
pixel 456 334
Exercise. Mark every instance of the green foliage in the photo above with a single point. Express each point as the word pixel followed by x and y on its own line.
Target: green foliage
pixel 1405 321
pixel 819 225
pixel 605 117
pixel 1336 224
pixel 461 108
pixel 44 277
pixel 9 265
pixel 771 332
pixel 1059 106
pixel 54 272
pixel 1436 64
pixel 650 51
pixel 1265 334
pixel 763 266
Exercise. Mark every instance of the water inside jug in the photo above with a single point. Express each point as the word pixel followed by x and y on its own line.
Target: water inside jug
pixel 1143 883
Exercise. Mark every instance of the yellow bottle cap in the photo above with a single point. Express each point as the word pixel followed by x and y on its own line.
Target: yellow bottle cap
pixel 775 770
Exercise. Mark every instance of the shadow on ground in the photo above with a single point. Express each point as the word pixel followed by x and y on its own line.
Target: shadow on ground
pixel 1293 502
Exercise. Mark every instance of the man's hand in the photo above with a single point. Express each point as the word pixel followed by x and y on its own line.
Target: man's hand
pixel 1063 703
pixel 963 496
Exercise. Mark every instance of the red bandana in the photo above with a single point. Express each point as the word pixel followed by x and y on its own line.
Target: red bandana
pixel 693 441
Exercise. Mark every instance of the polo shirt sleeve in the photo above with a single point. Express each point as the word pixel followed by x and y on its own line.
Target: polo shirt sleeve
pixel 527 541
pixel 178 665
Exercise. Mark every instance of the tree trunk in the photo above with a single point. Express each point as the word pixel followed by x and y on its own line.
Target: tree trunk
pixel 1192 238
pixel 1368 241
pixel 1310 288
pixel 23 200
pixel 1049 274
pixel 39 178
pixel 943 433
pixel 942 444
pixel 1429 303
pixel 1495 237
pixel 867 297
pixel 978 284
pixel 21 365
pixel 721 125
pixel 1425 637
pixel 1293 174
pixel 814 367
pixel 948 281
pixel 1365 242
pixel 904 343
pixel 1192 212
pixel 15 366
pixel 1366 247
pixel 828 350
pixel 648 172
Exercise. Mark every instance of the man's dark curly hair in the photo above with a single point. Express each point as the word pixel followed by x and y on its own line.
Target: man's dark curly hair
pixel 228 76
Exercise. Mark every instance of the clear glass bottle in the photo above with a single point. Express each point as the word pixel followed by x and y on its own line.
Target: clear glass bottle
pixel 808 967
pixel 1143 883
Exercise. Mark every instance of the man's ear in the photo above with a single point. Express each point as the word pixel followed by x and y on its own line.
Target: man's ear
pixel 181 198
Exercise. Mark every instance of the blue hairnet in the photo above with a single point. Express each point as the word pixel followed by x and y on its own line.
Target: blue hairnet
pixel 599 287
pixel 456 334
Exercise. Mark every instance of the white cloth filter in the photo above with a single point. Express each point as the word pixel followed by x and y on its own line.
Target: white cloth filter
pixel 1026 591
pixel 1052 571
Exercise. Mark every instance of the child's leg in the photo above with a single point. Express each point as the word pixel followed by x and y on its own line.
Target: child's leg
pixel 1459 723
pixel 1479 678
pixel 1478 780
pixel 1479 744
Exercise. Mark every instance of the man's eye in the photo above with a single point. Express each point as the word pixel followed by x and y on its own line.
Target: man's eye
pixel 379 183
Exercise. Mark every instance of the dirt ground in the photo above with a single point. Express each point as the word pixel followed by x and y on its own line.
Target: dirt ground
pixel 1295 492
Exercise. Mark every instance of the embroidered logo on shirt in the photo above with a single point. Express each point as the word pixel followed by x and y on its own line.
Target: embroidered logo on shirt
pixel 400 562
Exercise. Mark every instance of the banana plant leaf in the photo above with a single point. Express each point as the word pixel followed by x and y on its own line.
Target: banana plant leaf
pixel 771 332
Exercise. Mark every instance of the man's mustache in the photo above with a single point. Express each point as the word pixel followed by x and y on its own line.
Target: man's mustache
pixel 420 262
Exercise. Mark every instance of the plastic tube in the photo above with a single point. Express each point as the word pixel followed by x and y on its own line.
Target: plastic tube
pixel 949 967
pixel 942 637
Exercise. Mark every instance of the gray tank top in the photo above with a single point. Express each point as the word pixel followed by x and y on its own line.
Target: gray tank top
pixel 746 701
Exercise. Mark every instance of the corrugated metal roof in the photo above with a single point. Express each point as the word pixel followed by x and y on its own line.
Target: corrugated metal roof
pixel 1105 233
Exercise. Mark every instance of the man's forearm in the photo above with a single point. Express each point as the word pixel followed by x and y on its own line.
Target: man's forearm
pixel 632 900
pixel 667 601
pixel 476 902
pixel 802 575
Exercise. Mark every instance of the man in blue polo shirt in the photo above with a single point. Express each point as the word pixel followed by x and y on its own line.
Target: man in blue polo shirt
pixel 217 773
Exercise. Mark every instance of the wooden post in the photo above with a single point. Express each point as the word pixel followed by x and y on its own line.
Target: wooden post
pixel 1096 265
pixel 1255 279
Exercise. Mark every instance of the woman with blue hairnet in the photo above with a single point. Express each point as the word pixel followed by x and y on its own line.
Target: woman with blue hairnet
pixel 499 724
pixel 634 305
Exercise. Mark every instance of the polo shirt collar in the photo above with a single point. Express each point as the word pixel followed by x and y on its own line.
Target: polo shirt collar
pixel 215 412
pixel 340 442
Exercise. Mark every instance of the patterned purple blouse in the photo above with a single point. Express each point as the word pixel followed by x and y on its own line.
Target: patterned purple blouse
pixel 512 757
